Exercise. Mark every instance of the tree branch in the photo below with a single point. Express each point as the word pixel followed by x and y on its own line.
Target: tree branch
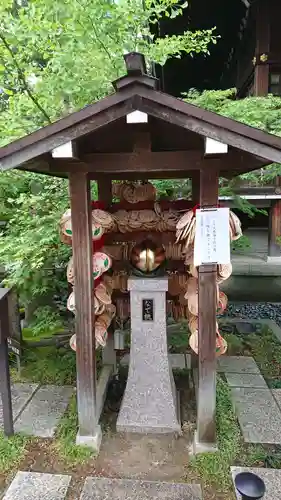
pixel 23 80
pixel 103 46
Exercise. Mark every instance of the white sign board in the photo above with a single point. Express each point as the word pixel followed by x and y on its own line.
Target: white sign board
pixel 212 238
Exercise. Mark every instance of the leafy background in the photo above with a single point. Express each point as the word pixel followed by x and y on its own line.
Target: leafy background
pixel 57 57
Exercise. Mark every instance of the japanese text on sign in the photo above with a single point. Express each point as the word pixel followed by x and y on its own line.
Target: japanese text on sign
pixel 212 239
pixel 147 310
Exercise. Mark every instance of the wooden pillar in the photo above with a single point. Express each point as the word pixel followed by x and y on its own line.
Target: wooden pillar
pixel 80 198
pixel 261 81
pixel 206 396
pixel 274 229
pixel 105 190
pixel 195 187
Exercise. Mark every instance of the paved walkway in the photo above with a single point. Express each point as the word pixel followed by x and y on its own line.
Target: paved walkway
pixel 38 410
pixel 38 486
pixel 256 406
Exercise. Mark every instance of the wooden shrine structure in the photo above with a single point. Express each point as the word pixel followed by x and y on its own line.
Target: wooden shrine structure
pixel 171 144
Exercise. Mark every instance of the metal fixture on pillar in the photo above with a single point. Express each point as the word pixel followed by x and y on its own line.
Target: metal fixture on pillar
pixel 250 486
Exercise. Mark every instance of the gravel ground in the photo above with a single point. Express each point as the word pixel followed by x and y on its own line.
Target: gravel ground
pixel 255 310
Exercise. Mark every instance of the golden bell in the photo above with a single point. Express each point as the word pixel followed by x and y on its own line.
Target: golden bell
pixel 147 256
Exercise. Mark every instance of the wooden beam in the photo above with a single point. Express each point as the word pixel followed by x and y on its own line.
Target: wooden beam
pixel 155 162
pixel 261 79
pixel 140 176
pixel 80 200
pixel 206 402
pixel 274 249
pixel 67 129
pixel 144 161
pixel 208 124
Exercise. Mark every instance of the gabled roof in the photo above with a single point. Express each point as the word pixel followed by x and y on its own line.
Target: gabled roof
pixel 137 91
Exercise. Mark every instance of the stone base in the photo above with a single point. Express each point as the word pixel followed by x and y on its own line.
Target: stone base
pixel 149 404
pixel 93 442
pixel 199 447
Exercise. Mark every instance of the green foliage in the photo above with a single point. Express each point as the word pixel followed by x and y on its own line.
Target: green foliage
pixel 45 321
pixel 57 57
pixel 12 451
pixel 214 469
pixel 65 444
pixel 260 112
pixel 235 344
pixel 244 243
pixel 30 247
pixel 266 350
pixel 173 188
pixel 48 365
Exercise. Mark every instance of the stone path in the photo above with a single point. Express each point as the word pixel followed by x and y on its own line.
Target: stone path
pixel 256 406
pixel 21 395
pixel 39 486
pixel 129 489
pixel 38 410
pixel 271 477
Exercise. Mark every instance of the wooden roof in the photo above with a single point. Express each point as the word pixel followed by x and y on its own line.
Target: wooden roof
pixel 169 145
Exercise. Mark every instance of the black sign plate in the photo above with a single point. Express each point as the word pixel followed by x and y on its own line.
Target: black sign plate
pixel 148 310
pixel 14 346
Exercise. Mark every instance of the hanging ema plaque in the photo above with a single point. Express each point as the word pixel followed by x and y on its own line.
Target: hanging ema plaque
pixel 147 310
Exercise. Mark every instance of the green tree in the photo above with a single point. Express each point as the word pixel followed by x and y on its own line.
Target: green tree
pixel 56 57
pixel 260 112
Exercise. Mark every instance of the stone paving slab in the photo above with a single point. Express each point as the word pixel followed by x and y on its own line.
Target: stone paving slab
pixel 246 380
pixel 21 394
pixel 38 486
pixel 41 416
pixel 271 477
pixel 237 364
pixel 128 489
pixel 178 361
pixel 258 414
pixel 277 396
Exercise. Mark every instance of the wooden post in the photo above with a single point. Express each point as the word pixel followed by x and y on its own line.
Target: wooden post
pixel 274 229
pixel 5 384
pixel 80 198
pixel 261 81
pixel 195 187
pixel 105 190
pixel 206 396
pixel 105 195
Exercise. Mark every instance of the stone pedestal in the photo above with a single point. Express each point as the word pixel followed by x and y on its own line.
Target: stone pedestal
pixel 150 402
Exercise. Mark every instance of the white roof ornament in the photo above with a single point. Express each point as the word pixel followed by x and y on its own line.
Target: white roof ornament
pixel 137 117
pixel 64 151
pixel 213 147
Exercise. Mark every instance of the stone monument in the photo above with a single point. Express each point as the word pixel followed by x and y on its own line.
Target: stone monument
pixel 150 402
